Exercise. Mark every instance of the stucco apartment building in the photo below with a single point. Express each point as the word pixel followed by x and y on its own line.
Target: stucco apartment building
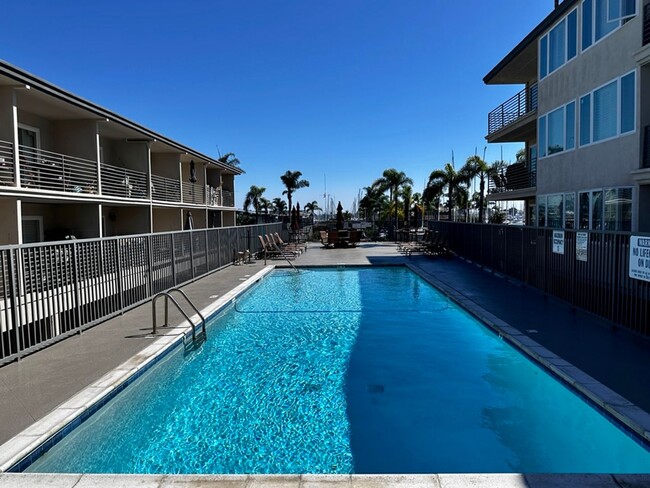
pixel 584 116
pixel 69 167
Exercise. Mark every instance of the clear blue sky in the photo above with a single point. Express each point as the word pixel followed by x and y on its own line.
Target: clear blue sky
pixel 336 88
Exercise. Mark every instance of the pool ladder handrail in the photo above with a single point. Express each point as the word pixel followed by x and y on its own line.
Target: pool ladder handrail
pixel 168 296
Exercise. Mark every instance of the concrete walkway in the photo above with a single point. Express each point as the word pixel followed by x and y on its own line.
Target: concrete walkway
pixel 38 383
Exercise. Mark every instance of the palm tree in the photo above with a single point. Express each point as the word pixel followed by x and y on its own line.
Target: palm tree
pixel 292 181
pixel 229 159
pixel 474 167
pixel 280 206
pixel 407 198
pixel 373 201
pixel 450 179
pixel 392 180
pixel 311 208
pixel 254 198
pixel 266 206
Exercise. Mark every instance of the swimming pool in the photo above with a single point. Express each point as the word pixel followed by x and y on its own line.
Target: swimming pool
pixel 346 370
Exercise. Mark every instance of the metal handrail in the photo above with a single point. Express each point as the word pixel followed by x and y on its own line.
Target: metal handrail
pixel 513 109
pixel 193 193
pixel 123 182
pixel 46 170
pixel 168 296
pixel 165 189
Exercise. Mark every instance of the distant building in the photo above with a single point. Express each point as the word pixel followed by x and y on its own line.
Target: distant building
pixel 69 167
pixel 584 116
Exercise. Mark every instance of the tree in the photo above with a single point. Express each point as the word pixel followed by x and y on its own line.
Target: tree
pixel 407 198
pixel 311 208
pixel 280 206
pixel 450 179
pixel 373 201
pixel 228 159
pixel 392 180
pixel 266 205
pixel 476 167
pixel 292 181
pixel 254 198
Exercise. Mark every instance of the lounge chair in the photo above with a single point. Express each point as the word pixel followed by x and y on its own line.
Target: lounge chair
pixel 273 253
pixel 288 246
pixel 324 239
pixel 287 253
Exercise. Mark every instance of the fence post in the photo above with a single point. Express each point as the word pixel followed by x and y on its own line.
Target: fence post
pixel 77 294
pixel 191 252
pixel 173 258
pixel 15 295
pixel 150 254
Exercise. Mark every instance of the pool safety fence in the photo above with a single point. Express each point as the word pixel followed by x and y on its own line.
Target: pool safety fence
pixel 49 291
pixel 594 278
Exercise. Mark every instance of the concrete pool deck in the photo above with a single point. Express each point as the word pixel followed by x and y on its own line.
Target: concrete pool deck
pixel 38 383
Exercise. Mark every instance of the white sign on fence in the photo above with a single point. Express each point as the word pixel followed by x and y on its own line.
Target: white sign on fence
pixel 558 241
pixel 582 242
pixel 640 258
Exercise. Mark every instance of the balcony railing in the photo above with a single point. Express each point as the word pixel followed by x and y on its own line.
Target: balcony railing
pixel 165 189
pixel 218 197
pixel 513 109
pixel 45 170
pixel 193 193
pixel 124 182
pixel 518 176
pixel 7 163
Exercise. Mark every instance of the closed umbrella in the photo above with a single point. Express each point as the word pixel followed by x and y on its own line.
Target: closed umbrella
pixel 339 217
pixel 297 215
pixel 189 221
pixel 192 172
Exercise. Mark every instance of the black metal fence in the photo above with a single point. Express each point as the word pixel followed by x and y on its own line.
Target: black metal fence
pixel 599 284
pixel 49 291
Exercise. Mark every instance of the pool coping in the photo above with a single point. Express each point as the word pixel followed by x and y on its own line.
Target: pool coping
pixel 23 448
pixel 611 403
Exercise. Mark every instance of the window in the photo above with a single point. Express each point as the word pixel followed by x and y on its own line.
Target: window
pixel 584 210
pixel 32 229
pixel 620 9
pixel 557 130
pixel 554 211
pixel 609 111
pixel 604 112
pixel 559 45
pixel 601 17
pixel 569 210
pixel 541 211
pixel 618 209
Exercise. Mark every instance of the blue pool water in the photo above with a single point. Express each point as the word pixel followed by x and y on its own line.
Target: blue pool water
pixel 367 370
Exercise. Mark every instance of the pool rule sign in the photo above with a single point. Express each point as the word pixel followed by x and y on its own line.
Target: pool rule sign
pixel 640 258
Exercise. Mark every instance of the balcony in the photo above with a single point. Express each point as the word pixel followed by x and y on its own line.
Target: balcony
pixel 193 193
pixel 165 189
pixel 514 114
pixel 518 179
pixel 218 197
pixel 124 182
pixel 46 170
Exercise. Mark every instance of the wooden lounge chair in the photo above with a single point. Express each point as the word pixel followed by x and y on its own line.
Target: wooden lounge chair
pixel 284 252
pixel 273 253
pixel 289 246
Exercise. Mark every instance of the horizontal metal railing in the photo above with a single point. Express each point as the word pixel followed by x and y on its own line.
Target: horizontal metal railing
pixel 228 198
pixel 517 176
pixel 600 284
pixel 124 182
pixel 50 291
pixel 46 170
pixel 513 109
pixel 7 163
pixel 165 189
pixel 193 193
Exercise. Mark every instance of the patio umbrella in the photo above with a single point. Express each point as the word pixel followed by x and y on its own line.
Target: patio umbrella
pixel 192 172
pixel 189 221
pixel 339 216
pixel 297 215
pixel 294 222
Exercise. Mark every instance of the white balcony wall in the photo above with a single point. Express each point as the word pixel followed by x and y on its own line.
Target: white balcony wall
pixel 75 138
